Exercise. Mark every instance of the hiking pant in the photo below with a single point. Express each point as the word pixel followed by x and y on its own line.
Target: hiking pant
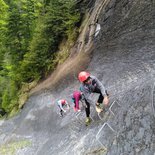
pixel 61 112
pixel 100 100
pixel 87 108
pixel 76 104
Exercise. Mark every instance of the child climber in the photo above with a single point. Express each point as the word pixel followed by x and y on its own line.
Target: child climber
pixel 61 104
pixel 77 96
pixel 90 84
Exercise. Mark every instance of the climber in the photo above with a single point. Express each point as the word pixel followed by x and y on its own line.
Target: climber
pixel 90 84
pixel 76 97
pixel 61 104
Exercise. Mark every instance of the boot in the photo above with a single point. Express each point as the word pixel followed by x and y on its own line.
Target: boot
pixel 88 120
pixel 98 108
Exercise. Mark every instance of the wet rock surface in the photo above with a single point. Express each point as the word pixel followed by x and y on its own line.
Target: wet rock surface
pixel 124 60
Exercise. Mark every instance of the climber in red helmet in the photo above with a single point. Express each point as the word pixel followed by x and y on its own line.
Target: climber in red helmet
pixel 77 97
pixel 90 84
pixel 61 104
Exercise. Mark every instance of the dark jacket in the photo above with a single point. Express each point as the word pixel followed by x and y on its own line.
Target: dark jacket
pixel 87 89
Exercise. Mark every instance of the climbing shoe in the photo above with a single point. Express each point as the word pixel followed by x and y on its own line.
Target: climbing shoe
pixel 98 108
pixel 88 120
pixel 76 110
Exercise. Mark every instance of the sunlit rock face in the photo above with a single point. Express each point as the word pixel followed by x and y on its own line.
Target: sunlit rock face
pixel 124 61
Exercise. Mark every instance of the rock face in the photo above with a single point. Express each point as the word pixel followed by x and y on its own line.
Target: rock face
pixel 124 60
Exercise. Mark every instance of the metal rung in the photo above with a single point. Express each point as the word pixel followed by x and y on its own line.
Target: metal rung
pixel 99 116
pixel 114 102
pixel 92 118
pixel 103 127
pixel 78 114
pixel 97 135
pixel 81 113
pixel 102 144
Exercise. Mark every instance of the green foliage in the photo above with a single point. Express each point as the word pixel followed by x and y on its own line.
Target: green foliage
pixel 3 10
pixel 20 28
pixel 51 29
pixel 10 97
pixel 31 31
pixel 12 147
pixel 3 29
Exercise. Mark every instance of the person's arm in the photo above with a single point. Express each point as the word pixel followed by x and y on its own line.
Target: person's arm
pixel 103 91
pixel 86 93
pixel 67 105
pixel 100 86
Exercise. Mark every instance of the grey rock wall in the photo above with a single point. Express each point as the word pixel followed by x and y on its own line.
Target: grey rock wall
pixel 124 60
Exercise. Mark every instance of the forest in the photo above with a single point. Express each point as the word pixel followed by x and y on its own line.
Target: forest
pixel 30 34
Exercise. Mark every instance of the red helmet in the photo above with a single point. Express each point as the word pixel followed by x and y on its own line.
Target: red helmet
pixel 63 101
pixel 83 76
